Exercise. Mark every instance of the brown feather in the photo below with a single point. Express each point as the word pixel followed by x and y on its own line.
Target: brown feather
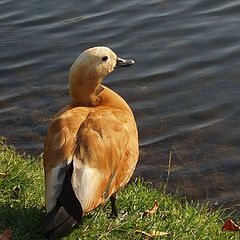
pixel 100 137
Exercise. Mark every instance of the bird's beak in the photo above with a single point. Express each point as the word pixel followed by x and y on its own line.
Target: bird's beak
pixel 123 62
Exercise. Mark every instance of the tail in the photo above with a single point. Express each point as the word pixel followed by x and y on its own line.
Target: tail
pixel 57 223
pixel 67 212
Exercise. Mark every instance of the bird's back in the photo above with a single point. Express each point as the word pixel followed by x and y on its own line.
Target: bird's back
pixel 102 143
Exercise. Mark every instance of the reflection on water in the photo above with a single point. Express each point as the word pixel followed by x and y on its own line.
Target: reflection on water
pixel 183 89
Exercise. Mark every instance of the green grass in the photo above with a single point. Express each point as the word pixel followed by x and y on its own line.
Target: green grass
pixel 22 208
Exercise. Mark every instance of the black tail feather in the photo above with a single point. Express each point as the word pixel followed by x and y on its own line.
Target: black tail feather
pixel 68 198
pixel 66 213
pixel 57 223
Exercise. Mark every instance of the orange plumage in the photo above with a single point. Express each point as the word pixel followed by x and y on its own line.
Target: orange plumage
pixel 96 133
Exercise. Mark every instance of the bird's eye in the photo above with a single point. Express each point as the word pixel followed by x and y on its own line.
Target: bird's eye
pixel 105 58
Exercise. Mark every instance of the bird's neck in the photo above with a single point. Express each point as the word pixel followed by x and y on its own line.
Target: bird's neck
pixel 84 92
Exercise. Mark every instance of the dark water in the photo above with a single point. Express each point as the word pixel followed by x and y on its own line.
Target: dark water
pixel 183 89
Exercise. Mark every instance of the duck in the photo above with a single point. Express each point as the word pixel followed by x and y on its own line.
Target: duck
pixel 91 148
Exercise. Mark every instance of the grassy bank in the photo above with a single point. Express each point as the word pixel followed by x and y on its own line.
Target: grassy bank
pixel 22 208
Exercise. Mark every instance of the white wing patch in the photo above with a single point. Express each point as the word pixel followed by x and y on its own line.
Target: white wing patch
pixel 85 181
pixel 54 180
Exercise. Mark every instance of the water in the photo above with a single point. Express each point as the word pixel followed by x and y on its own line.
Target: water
pixel 183 89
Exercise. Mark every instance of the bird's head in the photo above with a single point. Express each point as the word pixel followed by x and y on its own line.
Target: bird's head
pixel 88 71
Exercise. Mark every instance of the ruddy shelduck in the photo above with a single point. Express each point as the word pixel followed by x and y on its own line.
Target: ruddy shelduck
pixel 91 148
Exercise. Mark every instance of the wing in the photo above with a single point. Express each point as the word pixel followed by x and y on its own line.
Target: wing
pixel 103 147
pixel 102 142
pixel 58 150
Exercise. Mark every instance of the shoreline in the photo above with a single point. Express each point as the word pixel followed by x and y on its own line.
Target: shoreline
pixel 22 208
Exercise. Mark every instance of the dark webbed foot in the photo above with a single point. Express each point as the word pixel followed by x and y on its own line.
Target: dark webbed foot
pixel 113 199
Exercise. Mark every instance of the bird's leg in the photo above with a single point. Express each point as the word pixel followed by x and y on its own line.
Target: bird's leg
pixel 113 199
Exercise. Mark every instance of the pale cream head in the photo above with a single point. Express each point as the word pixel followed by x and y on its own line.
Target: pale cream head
pixel 88 71
pixel 98 60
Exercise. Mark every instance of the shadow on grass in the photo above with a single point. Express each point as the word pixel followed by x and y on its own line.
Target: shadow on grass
pixel 25 222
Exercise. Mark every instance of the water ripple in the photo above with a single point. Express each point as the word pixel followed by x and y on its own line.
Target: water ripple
pixel 183 89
